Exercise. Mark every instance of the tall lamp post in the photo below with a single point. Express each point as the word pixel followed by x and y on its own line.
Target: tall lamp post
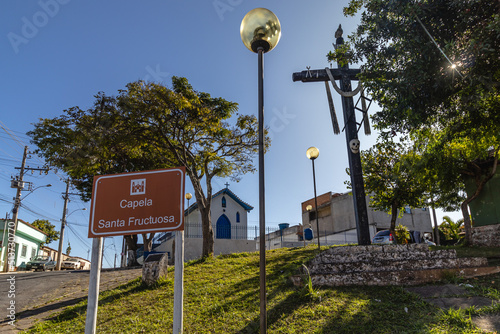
pixel 188 197
pixel 260 31
pixel 312 153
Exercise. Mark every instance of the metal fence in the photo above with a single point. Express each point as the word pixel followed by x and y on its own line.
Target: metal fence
pixel 275 237
pixel 194 230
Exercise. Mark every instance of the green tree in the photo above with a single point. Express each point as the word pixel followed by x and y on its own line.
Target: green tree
pixel 429 59
pixel 433 66
pixel 84 143
pixel 451 230
pixel 150 126
pixel 68 249
pixel 454 156
pixel 402 234
pixel 391 179
pixel 46 227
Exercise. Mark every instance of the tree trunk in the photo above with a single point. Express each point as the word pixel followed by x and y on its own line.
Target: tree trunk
pixel 131 241
pixel 467 221
pixel 132 259
pixel 394 216
pixel 147 242
pixel 204 204
pixel 208 233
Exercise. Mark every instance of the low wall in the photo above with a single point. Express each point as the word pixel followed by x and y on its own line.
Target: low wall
pixel 487 235
pixel 388 265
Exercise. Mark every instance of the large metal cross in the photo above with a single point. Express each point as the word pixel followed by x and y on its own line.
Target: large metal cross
pixel 344 75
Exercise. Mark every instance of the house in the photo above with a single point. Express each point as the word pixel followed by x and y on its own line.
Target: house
pixel 26 242
pixel 53 253
pixel 229 223
pixel 337 224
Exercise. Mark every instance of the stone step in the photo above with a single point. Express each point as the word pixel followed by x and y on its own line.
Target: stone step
pixel 393 256
pixel 388 265
pixel 385 278
pixel 380 265
pixel 376 248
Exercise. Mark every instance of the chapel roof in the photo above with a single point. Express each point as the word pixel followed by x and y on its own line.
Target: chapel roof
pixel 224 191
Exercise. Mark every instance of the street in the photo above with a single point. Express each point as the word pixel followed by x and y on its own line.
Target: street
pixel 38 294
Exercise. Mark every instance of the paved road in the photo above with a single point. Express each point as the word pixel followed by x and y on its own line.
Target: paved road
pixel 38 294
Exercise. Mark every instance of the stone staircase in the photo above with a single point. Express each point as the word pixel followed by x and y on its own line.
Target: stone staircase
pixel 410 264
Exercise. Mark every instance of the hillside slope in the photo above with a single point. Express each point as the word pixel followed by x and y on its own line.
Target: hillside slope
pixel 221 295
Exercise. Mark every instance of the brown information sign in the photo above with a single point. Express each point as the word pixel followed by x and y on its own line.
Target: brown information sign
pixel 141 202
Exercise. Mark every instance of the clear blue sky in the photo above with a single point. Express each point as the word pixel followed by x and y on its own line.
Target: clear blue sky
pixel 59 53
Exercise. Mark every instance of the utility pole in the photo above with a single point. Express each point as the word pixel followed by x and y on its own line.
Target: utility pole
pixel 344 75
pixel 63 224
pixel 19 184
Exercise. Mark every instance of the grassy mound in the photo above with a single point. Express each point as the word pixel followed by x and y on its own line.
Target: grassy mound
pixel 221 295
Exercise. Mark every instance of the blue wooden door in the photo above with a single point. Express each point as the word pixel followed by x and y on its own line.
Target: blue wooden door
pixel 223 229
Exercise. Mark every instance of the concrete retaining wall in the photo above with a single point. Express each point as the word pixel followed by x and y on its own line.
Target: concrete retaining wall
pixel 388 265
pixel 488 235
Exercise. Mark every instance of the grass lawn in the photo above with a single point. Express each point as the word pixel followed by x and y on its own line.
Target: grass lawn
pixel 221 295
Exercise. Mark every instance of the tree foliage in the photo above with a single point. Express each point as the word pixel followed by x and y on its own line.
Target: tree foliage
pixel 149 126
pixel 433 66
pixel 452 230
pixel 455 156
pixel 47 228
pixel 402 234
pixel 408 72
pixel 391 179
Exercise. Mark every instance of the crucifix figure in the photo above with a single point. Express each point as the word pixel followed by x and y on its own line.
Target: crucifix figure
pixel 344 75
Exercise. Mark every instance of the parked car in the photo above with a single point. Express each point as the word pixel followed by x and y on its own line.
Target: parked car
pixel 41 262
pixel 22 266
pixel 71 263
pixel 429 242
pixel 384 237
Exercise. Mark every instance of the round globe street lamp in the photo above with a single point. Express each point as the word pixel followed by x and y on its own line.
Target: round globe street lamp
pixel 260 31
pixel 312 153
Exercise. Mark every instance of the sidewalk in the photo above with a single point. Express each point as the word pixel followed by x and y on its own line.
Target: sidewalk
pixel 68 293
pixel 456 297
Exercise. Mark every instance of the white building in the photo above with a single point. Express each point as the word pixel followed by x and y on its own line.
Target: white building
pixel 229 223
pixel 26 242
pixel 337 224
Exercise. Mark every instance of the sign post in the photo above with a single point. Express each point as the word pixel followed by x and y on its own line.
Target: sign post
pixel 179 282
pixel 94 282
pixel 133 203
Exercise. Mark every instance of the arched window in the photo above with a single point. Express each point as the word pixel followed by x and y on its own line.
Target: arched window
pixel 237 217
pixel 223 202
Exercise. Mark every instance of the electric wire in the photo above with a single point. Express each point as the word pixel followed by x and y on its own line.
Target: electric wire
pixel 77 235
pixel 12 135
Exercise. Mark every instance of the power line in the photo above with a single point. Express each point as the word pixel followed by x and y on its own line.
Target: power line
pixel 13 136
pixel 78 236
pixel 46 215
